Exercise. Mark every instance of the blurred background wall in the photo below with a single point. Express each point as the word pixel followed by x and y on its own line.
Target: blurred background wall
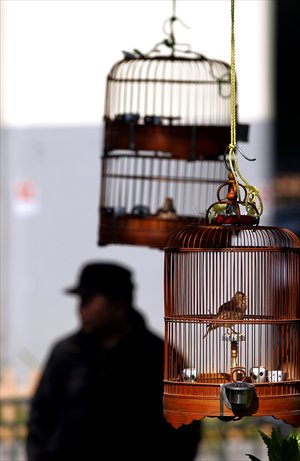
pixel 54 60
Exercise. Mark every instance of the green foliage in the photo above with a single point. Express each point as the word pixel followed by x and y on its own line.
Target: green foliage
pixel 280 448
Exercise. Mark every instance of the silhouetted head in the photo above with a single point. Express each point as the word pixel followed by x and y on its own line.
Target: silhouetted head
pixel 110 279
pixel 106 293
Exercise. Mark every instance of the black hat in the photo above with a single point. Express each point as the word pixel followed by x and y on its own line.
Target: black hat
pixel 109 279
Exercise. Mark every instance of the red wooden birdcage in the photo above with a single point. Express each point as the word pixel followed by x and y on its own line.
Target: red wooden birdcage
pixel 232 308
pixel 243 358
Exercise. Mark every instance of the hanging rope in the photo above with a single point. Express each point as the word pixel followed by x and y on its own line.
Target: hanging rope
pixel 233 85
pixel 252 193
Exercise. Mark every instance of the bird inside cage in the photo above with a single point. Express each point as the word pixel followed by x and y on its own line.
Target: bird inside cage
pixel 234 309
pixel 167 211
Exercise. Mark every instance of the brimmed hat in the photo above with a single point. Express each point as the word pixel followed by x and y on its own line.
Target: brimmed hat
pixel 104 278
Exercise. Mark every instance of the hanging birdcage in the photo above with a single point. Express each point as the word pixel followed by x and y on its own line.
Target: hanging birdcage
pixel 166 122
pixel 232 328
pixel 232 308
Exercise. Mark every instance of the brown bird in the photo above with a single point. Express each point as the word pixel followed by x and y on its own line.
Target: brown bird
pixel 167 211
pixel 234 309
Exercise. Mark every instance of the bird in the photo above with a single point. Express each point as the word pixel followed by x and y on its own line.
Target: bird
pixel 128 54
pixel 234 309
pixel 167 211
pixel 133 54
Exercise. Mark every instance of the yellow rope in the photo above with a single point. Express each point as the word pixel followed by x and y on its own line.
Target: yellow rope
pixel 233 83
pixel 252 195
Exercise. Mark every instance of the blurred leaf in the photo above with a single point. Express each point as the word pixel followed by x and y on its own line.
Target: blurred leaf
pixel 280 448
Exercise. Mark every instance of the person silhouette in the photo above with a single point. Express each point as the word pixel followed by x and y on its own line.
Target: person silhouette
pixel 100 394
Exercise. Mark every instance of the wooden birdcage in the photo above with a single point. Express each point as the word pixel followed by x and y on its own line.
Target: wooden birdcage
pixel 232 319
pixel 232 309
pixel 166 122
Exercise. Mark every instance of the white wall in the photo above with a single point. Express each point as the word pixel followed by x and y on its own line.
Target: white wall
pixel 57 53
pixel 55 56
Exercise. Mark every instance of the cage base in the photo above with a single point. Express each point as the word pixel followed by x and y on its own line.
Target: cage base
pixel 149 231
pixel 179 410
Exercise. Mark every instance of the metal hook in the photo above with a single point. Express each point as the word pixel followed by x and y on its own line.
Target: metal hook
pixel 170 40
pixel 247 158
pixel 240 151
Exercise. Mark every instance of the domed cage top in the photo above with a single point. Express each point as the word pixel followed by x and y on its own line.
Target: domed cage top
pixel 166 126
pixel 173 104
pixel 232 323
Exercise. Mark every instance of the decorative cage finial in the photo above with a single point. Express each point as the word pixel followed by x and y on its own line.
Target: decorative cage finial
pixel 227 210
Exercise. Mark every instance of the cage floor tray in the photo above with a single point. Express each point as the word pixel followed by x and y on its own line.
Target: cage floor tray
pixel 149 231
